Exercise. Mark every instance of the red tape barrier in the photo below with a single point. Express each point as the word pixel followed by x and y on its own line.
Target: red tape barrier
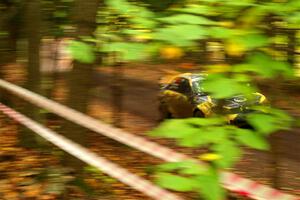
pixel 91 158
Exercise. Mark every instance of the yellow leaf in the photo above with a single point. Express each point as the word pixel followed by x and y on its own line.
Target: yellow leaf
pixel 33 191
pixel 171 52
pixel 47 197
pixel 218 68
pixel 227 24
pixel 234 49
pixel 143 37
pixel 11 195
pixel 210 157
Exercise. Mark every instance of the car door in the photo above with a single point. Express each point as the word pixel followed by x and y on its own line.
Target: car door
pixel 178 96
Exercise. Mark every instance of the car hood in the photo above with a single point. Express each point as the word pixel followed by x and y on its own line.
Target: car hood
pixel 232 102
pixel 239 101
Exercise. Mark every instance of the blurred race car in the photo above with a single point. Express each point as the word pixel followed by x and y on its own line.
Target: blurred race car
pixel 182 96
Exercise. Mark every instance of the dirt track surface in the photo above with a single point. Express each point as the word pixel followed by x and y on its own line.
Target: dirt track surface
pixel 140 99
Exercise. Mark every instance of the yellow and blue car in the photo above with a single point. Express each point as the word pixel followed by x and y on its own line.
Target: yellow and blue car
pixel 182 96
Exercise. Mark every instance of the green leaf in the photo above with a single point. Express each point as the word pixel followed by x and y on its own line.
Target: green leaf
pixel 143 12
pixel 294 18
pixel 143 22
pixel 172 38
pixel 92 169
pixel 251 139
pixel 242 77
pixel 210 186
pixel 186 19
pixel 196 139
pixel 188 134
pixel 127 51
pixel 243 3
pixel 216 134
pixel 192 32
pixel 284 120
pixel 192 168
pixel 253 16
pixel 60 14
pixel 221 32
pixel 3 34
pixel 122 6
pixel 252 41
pixel 263 123
pixel 265 66
pixel 82 52
pixel 204 136
pixel 297 122
pixel 174 128
pixel 185 167
pixel 197 9
pixel 55 188
pixel 180 35
pixel 273 119
pixel 174 182
pixel 229 153
pixel 222 87
pixel 213 121
pixel 168 167
pixel 134 31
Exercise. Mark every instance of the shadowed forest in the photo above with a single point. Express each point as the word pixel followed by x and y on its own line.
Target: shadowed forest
pixel 115 60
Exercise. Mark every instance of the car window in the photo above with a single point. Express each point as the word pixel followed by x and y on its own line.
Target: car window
pixel 197 86
pixel 173 86
pixel 180 85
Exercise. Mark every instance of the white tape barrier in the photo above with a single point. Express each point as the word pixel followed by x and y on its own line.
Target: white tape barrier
pixel 91 158
pixel 230 180
pixel 95 125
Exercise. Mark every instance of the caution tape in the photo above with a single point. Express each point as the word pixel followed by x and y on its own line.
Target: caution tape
pixel 91 158
pixel 230 180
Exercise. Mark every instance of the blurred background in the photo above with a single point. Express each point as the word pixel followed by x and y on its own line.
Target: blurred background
pixel 105 58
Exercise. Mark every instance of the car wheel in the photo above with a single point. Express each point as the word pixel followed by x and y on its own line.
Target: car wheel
pixel 199 113
pixel 164 112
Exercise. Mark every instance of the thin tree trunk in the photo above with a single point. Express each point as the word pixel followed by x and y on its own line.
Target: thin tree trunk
pixel 275 174
pixel 117 94
pixel 33 24
pixel 291 47
pixel 8 26
pixel 32 28
pixel 85 12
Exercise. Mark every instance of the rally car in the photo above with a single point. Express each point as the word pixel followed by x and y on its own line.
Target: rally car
pixel 182 96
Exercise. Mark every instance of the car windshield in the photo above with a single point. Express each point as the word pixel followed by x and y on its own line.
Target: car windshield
pixel 197 85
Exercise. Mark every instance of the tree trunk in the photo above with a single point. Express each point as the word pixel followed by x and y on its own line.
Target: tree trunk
pixel 275 173
pixel 291 47
pixel 32 28
pixel 85 12
pixel 33 24
pixel 8 32
pixel 117 94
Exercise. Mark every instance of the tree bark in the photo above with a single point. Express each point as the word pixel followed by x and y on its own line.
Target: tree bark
pixel 291 47
pixel 33 82
pixel 33 28
pixel 8 29
pixel 84 16
pixel 117 94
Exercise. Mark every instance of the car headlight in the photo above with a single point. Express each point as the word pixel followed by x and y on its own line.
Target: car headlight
pixel 261 99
